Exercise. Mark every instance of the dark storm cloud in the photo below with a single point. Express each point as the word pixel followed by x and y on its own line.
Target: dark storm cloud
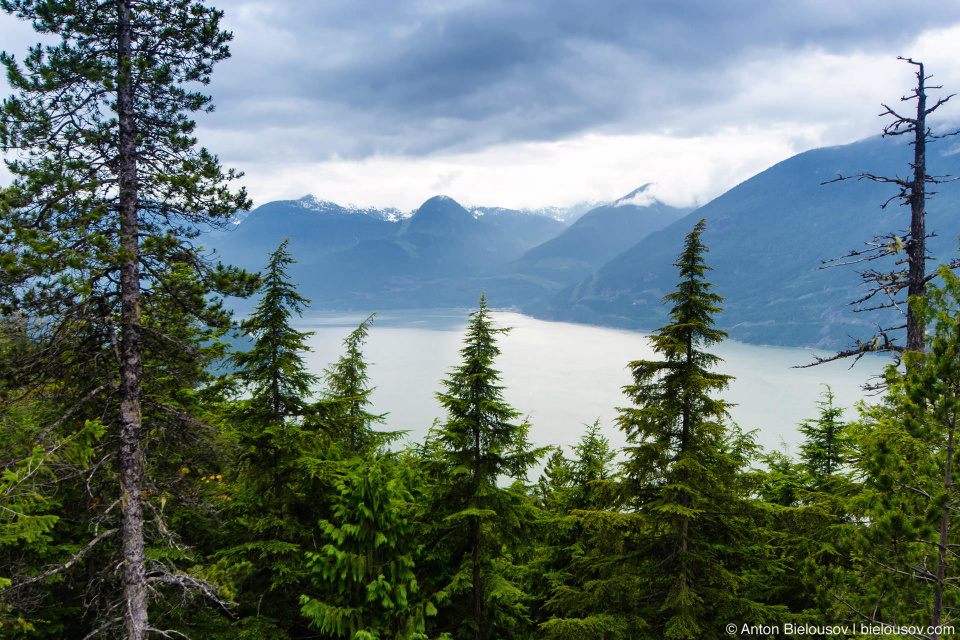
pixel 411 77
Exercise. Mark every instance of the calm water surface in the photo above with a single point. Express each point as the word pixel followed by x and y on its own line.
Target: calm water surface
pixel 566 375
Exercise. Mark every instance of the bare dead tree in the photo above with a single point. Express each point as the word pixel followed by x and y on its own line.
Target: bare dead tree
pixel 886 289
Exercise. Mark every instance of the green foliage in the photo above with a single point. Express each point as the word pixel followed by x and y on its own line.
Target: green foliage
pixel 364 577
pixel 28 483
pixel 119 308
pixel 273 370
pixel 682 468
pixel 479 438
pixel 906 452
pixel 687 546
pixel 482 527
pixel 282 468
pixel 675 419
pixel 344 408
pixel 825 446
pixel 565 487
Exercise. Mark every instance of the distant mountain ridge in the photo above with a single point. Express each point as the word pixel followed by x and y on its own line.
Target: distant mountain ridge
pixel 767 237
pixel 439 255
pixel 612 265
pixel 597 237
pixel 312 203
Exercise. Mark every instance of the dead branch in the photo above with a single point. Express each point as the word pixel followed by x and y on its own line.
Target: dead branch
pixel 66 565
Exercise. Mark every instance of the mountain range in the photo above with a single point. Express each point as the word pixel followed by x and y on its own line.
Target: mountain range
pixel 768 238
pixel 611 265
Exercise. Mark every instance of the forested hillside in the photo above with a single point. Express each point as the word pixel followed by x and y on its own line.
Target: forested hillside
pixel 768 238
pixel 158 482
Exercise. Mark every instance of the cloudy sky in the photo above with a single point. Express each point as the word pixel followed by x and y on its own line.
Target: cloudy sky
pixel 526 103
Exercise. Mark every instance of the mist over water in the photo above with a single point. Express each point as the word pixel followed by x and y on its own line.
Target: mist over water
pixel 566 375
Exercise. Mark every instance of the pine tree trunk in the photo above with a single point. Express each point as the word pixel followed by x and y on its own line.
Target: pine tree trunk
pixel 132 545
pixel 917 250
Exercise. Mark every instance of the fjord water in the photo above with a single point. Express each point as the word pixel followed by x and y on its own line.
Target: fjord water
pixel 565 375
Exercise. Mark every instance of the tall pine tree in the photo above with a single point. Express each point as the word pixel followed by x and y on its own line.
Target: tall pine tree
pixel 345 408
pixel 108 189
pixel 903 568
pixel 280 476
pixel 681 553
pixel 480 444
pixel 685 473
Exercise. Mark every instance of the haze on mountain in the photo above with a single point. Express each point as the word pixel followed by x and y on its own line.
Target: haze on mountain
pixel 767 237
pixel 442 254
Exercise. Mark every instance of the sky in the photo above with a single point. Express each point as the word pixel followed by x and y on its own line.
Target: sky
pixel 531 103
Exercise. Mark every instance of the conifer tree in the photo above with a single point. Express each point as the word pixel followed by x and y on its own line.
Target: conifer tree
pixel 108 189
pixel 278 481
pixel 344 408
pixel 273 370
pixel 479 444
pixel 684 548
pixel 566 489
pixel 907 529
pixel 364 577
pixel 685 472
pixel 823 450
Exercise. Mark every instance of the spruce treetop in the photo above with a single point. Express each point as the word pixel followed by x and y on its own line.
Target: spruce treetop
pixel 274 369
pixel 480 432
pixel 673 406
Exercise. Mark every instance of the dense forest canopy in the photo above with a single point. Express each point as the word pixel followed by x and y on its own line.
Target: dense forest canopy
pixel 159 482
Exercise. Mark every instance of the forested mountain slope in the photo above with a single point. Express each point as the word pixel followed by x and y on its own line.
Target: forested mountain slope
pixel 767 238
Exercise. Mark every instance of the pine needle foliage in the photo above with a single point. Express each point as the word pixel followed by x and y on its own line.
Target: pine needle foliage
pixel 273 370
pixel 823 452
pixel 683 546
pixel 345 406
pixel 109 190
pixel 282 472
pixel 685 477
pixel 906 454
pixel 483 525
pixel 674 414
pixel 364 577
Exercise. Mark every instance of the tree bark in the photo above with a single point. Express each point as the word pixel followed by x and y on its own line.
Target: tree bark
pixel 918 197
pixel 475 534
pixel 131 366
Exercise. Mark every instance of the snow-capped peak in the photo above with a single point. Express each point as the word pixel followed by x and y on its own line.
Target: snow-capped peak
pixel 642 197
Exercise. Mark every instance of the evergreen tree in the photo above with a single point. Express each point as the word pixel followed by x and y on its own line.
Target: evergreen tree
pixel 283 471
pixel 685 547
pixel 566 489
pixel 482 523
pixel 905 570
pixel 591 468
pixel 810 504
pixel 107 192
pixel 365 585
pixel 348 396
pixel 825 443
pixel 685 472
pixel 676 435
pixel 273 370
